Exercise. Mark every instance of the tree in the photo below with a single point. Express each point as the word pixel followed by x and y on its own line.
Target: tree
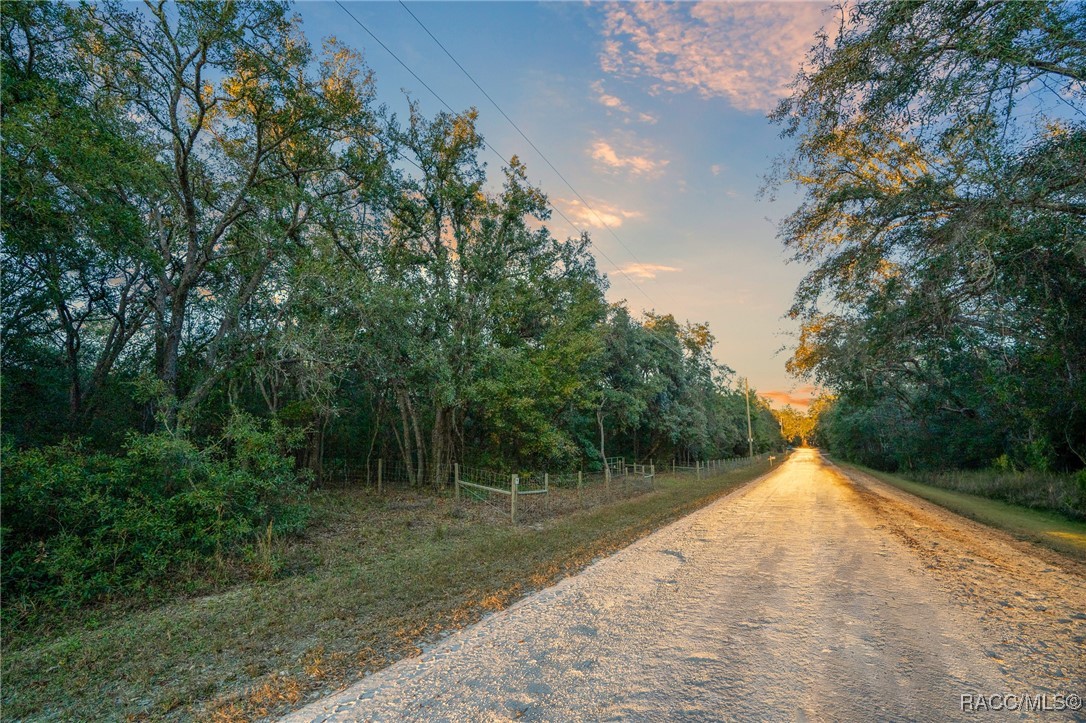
pixel 74 170
pixel 942 154
pixel 795 426
pixel 203 213
pixel 250 146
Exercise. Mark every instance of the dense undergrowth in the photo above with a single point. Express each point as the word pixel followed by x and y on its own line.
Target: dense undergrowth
pixel 1061 493
pixel 81 527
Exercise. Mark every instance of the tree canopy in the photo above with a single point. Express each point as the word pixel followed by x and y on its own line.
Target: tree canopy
pixel 221 252
pixel 941 150
pixel 205 212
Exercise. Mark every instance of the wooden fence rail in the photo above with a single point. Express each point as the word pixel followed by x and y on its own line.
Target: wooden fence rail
pixel 479 484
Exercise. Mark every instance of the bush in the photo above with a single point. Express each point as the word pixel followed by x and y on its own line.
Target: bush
pixel 79 526
pixel 1061 493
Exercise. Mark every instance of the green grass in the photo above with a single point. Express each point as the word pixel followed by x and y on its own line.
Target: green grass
pixel 1063 494
pixel 1050 529
pixel 373 579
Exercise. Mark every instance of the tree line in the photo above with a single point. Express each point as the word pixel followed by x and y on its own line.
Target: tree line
pixel 222 255
pixel 941 150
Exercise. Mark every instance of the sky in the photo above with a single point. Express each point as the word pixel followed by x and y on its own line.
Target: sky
pixel 654 113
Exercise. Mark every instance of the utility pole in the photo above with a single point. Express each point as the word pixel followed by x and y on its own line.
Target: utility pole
pixel 750 431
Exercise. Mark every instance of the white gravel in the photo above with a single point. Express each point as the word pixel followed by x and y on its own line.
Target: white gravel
pixel 795 598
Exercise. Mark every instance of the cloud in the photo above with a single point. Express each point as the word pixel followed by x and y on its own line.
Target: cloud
pixel 606 99
pixel 613 102
pixel 614 160
pixel 716 168
pixel 801 397
pixel 747 53
pixel 646 271
pixel 605 213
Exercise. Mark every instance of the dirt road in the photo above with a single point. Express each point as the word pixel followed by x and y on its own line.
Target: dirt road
pixel 806 595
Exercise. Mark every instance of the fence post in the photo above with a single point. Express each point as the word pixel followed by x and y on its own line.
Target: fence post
pixel 456 479
pixel 652 475
pixel 607 480
pixel 513 499
pixel 380 468
pixel 580 481
pixel 697 469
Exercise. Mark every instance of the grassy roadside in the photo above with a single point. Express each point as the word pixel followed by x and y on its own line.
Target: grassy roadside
pixel 1052 530
pixel 374 579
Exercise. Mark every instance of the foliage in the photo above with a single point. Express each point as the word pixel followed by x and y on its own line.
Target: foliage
pixel 205 213
pixel 1061 493
pixel 666 397
pixel 81 525
pixel 797 427
pixel 942 150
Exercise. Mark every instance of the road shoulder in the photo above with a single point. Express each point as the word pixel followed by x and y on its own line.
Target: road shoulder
pixel 1050 530
pixel 623 564
pixel 1029 600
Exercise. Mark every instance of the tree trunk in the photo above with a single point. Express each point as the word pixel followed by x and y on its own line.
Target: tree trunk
pixel 405 443
pixel 443 443
pixel 314 450
pixel 420 449
pixel 438 444
pixel 603 453
pixel 171 350
pixel 376 432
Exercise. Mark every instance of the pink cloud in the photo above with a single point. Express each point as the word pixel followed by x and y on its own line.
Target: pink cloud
pixel 646 271
pixel 636 164
pixel 614 103
pixel 745 52
pixel 597 213
pixel 800 397
pixel 606 99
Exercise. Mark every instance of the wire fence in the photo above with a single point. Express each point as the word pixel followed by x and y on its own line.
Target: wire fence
pixel 382 474
pixel 527 495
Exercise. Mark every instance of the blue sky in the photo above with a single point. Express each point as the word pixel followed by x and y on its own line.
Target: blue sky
pixel 655 113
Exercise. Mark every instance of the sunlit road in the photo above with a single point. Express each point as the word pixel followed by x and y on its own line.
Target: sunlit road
pixel 804 596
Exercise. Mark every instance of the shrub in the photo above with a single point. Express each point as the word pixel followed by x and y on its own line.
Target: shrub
pixel 79 526
pixel 1061 493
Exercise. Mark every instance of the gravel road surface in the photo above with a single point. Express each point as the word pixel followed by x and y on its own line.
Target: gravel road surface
pixel 806 595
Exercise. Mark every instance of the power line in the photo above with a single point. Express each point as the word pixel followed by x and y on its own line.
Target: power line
pixel 435 94
pixel 392 150
pixel 278 66
pixel 522 133
pixel 490 147
pixel 653 336
pixel 270 61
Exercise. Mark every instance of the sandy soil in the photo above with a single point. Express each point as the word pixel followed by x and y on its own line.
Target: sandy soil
pixel 807 595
